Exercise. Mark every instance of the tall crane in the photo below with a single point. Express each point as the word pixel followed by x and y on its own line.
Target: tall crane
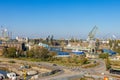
pixel 91 35
pixel 91 39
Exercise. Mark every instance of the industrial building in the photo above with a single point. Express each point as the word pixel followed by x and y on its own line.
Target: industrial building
pixel 17 45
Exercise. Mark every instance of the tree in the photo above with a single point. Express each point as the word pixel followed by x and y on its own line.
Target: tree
pixel 47 39
pixel 72 39
pixel 104 55
pixel 108 66
pixel 97 44
pixel 110 43
pixel 36 41
pixel 30 53
pixel 51 55
pixel 5 52
pixel 41 53
pixel 38 52
pixel 83 60
pixel 51 40
pixel 116 46
pixel 10 52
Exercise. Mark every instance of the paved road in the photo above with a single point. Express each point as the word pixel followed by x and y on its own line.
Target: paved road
pixel 101 68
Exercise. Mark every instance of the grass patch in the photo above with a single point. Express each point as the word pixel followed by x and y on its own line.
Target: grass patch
pixel 115 63
pixel 29 59
pixel 68 64
pixel 90 65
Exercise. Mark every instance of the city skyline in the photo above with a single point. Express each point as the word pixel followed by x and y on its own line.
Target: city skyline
pixel 61 18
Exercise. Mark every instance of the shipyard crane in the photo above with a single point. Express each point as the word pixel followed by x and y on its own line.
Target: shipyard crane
pixel 91 39
pixel 92 33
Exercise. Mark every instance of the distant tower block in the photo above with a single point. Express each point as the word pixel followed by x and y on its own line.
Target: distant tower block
pixel 4 34
pixel 10 35
pixel 1 34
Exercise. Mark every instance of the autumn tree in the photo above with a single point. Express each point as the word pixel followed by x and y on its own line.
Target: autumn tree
pixel 104 55
pixel 40 53
pixel 9 52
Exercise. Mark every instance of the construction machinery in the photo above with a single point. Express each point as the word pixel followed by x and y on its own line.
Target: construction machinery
pixel 91 35
pixel 91 39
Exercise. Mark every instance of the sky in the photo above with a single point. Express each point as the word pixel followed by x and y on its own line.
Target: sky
pixel 61 18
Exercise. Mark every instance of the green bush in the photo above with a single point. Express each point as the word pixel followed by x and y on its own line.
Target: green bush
pixel 9 52
pixel 108 65
pixel 103 55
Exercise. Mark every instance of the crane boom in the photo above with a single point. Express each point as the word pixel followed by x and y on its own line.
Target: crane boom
pixel 92 33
